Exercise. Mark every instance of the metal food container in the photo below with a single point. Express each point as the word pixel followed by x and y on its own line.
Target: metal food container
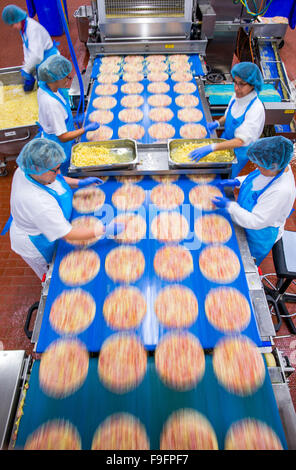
pixel 13 139
pixel 125 149
pixel 175 143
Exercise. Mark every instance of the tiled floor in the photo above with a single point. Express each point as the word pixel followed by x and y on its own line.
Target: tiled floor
pixel 19 286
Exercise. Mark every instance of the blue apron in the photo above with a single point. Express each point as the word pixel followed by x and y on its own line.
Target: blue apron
pixel 231 124
pixel 67 146
pixel 262 240
pixel 64 200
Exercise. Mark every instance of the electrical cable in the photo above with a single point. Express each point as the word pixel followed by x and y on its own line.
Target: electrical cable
pixel 63 17
pixel 256 13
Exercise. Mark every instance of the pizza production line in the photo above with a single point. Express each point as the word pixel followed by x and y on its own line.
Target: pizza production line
pixel 149 159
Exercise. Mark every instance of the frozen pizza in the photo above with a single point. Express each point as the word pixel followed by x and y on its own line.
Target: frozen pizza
pixel 180 66
pixel 124 308
pixel 132 88
pixel 173 263
pixel 155 58
pixel 72 311
pixel 133 59
pixel 104 102
pixel 182 76
pixel 102 116
pixel 180 360
pixel 201 179
pixel 176 306
pixel 103 133
pixel 109 68
pixel 57 434
pixel 238 365
pixel 79 267
pixel 219 263
pixel 166 179
pixel 121 431
pixel 107 77
pixel 213 228
pixel 184 87
pixel 111 59
pixel 190 115
pixel 159 100
pixel 87 221
pixel 161 131
pixel 125 264
pixel 128 197
pixel 129 179
pixel 187 429
pixel 167 196
pixel 132 101
pixel 158 87
pixel 187 101
pixel 202 196
pixel 160 114
pixel 87 200
pixel 106 89
pixel 227 309
pixel 193 131
pixel 169 227
pixel 135 228
pixel 251 434
pixel 133 68
pixel 132 77
pixel 157 66
pixel 131 131
pixel 63 368
pixel 122 362
pixel 178 58
pixel 130 115
pixel 157 76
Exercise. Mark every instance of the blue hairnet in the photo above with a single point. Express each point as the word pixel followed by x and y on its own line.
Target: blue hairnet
pixel 56 67
pixel 271 153
pixel 12 14
pixel 39 156
pixel 249 73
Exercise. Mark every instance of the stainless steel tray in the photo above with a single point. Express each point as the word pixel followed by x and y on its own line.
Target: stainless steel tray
pixel 125 148
pixel 174 143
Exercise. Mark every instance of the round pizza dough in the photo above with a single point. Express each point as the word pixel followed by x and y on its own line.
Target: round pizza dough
pixel 63 368
pixel 128 197
pixel 238 365
pixel 106 89
pixel 132 88
pixel 125 264
pixel 169 227
pixel 184 87
pixel 187 429
pixel 176 306
pixel 124 308
pixel 213 228
pixel 103 133
pixel 161 131
pixel 187 101
pixel 160 114
pixel 202 196
pixel 173 263
pixel 193 131
pixel 121 431
pixel 72 311
pixel 190 115
pixel 167 196
pixel 131 131
pixel 122 363
pixel 159 100
pixel 251 434
pixel 227 309
pixel 88 200
pixel 79 267
pixel 130 115
pixel 180 360
pixel 158 87
pixel 87 221
pixel 219 263
pixel 56 434
pixel 135 228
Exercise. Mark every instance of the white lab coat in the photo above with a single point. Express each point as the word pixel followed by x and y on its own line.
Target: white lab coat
pixel 39 41
pixel 34 211
pixel 52 115
pixel 273 206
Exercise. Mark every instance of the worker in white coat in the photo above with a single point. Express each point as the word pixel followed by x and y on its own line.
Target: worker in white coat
pixel 41 206
pixel 55 115
pixel 37 43
pixel 244 118
pixel 266 196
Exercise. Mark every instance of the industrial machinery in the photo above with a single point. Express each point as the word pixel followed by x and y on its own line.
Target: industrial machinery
pixel 196 29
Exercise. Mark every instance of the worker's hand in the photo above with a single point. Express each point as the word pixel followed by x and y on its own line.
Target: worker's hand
pixel 80 118
pixel 114 229
pixel 221 202
pixel 29 81
pixel 92 126
pixel 89 181
pixel 232 183
pixel 201 152
pixel 211 126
